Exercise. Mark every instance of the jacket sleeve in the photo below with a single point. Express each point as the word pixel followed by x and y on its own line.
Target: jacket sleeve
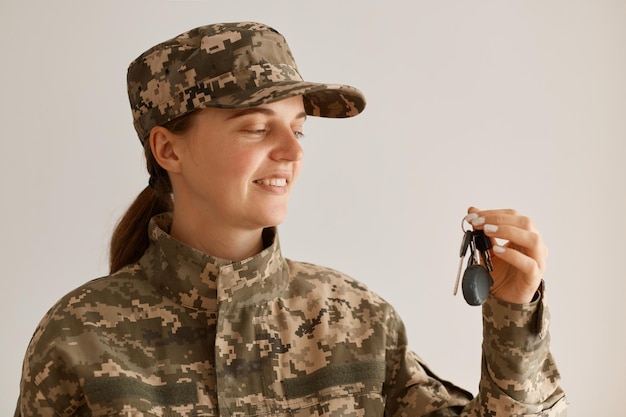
pixel 518 374
pixel 47 387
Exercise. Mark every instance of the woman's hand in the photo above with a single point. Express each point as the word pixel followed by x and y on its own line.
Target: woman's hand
pixel 518 265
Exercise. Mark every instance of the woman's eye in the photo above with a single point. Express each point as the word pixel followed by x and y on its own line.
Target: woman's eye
pixel 265 131
pixel 256 132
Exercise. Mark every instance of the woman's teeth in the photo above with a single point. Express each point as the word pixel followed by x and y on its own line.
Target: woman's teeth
pixel 276 182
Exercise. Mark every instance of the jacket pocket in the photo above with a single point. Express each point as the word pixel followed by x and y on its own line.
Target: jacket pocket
pixel 346 389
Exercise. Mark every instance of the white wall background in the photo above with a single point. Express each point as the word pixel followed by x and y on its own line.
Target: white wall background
pixel 489 103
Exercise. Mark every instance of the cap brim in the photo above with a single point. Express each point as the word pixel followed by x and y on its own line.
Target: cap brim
pixel 322 100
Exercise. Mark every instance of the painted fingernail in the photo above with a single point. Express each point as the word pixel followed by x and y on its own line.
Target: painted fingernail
pixel 490 228
pixel 478 221
pixel 470 217
pixel 498 249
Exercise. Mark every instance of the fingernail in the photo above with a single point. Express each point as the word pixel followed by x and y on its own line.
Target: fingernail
pixel 470 217
pixel 498 249
pixel 490 228
pixel 477 221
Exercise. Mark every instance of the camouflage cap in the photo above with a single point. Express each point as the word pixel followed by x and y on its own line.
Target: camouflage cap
pixel 226 65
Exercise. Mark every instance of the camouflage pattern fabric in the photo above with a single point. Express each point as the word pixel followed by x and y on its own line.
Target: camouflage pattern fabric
pixel 227 65
pixel 185 334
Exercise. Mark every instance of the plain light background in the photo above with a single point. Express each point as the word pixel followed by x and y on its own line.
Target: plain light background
pixel 489 103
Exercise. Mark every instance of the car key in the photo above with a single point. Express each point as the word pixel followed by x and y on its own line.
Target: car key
pixel 465 243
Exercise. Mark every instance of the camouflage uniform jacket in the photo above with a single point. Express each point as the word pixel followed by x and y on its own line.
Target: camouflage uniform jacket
pixel 181 333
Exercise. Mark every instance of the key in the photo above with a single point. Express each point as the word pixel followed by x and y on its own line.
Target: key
pixel 476 284
pixel 483 244
pixel 465 243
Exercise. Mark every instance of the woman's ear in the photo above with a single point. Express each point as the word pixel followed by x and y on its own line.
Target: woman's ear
pixel 164 144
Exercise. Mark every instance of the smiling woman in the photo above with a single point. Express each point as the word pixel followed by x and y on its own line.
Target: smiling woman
pixel 231 174
pixel 203 316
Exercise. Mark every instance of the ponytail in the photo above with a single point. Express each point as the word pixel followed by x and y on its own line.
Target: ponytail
pixel 130 237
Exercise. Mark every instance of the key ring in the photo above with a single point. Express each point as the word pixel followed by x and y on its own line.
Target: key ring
pixel 463 220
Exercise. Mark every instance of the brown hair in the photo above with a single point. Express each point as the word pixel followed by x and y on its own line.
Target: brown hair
pixel 130 237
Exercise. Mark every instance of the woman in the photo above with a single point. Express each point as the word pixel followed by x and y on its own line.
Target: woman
pixel 202 315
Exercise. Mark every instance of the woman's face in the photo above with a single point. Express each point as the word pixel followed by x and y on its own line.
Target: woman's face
pixel 237 167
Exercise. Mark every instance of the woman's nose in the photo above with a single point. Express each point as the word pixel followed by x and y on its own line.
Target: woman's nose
pixel 287 146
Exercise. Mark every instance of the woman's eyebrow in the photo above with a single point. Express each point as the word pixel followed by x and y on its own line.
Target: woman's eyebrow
pixel 263 110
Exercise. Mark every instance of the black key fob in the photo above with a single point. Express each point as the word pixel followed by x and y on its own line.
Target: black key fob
pixel 476 284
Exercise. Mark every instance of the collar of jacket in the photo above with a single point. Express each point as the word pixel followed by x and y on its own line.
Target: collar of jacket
pixel 200 281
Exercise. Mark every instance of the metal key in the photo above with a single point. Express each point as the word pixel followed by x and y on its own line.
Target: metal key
pixel 483 244
pixel 465 243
